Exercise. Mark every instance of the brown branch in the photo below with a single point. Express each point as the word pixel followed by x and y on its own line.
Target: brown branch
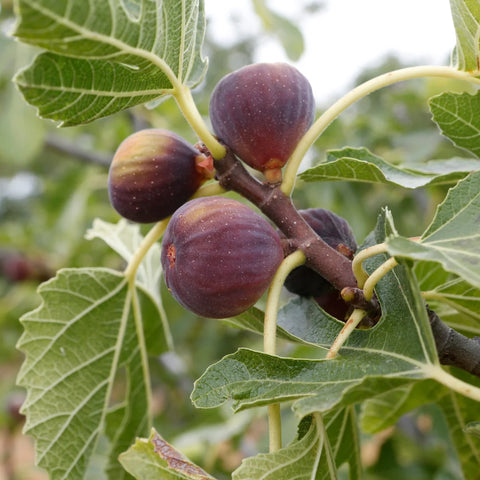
pixel 269 198
pixel 454 348
pixel 60 145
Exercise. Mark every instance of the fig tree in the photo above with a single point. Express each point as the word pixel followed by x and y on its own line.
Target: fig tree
pixel 219 256
pixel 153 172
pixel 261 111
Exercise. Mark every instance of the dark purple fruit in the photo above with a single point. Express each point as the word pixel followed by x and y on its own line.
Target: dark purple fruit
pixel 153 173
pixel 336 232
pixel 261 112
pixel 219 256
pixel 16 267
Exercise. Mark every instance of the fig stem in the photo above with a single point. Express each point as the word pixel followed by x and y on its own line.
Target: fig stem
pixel 131 271
pixel 441 376
pixel 183 96
pixel 209 190
pixel 360 274
pixel 137 314
pixel 356 94
pixel 293 260
pixel 376 276
pixel 150 238
pixel 355 318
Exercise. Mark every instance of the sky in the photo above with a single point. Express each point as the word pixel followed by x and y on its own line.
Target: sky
pixel 347 36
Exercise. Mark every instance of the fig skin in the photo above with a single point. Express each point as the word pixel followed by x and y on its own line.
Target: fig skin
pixel 304 281
pixel 219 256
pixel 261 112
pixel 153 172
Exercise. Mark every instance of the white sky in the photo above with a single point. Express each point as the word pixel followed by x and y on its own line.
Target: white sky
pixel 348 35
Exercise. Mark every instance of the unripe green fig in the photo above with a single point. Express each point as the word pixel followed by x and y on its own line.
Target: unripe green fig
pixel 261 111
pixel 153 172
pixel 336 232
pixel 219 256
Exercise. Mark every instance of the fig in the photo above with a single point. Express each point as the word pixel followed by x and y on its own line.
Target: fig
pixel 154 172
pixel 219 256
pixel 261 111
pixel 16 267
pixel 304 281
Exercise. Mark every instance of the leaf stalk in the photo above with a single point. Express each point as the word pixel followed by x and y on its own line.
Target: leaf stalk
pixel 270 335
pixel 353 96
pixel 355 318
pixel 183 96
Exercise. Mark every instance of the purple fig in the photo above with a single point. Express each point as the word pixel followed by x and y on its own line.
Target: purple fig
pixel 154 172
pixel 261 111
pixel 219 256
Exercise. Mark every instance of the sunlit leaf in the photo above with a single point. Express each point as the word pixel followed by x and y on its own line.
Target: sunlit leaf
pixel 453 237
pixel 360 165
pixel 458 117
pixel 104 57
pixel 74 345
pixel 466 19
pixel 125 238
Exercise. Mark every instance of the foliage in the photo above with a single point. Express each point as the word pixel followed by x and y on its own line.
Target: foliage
pixel 107 343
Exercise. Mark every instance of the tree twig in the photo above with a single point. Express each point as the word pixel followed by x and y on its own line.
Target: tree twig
pixel 453 348
pixel 328 262
pixel 55 142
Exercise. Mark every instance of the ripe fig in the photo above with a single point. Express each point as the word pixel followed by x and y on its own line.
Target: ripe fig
pixel 219 256
pixel 261 111
pixel 154 172
pixel 303 281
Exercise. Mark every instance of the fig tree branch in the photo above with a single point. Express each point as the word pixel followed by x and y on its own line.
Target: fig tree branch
pixel 453 348
pixel 60 145
pixel 269 198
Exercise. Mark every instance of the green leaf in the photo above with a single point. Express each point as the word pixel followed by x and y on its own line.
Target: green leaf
pixel 105 57
pixel 155 458
pixel 454 300
pixel 466 19
pixel 459 295
pixel 253 321
pixel 453 237
pixel 288 33
pixel 125 238
pixel 371 362
pixel 360 165
pixel 458 117
pixel 252 379
pixel 460 413
pixel 74 343
pixel 383 411
pixel 310 456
